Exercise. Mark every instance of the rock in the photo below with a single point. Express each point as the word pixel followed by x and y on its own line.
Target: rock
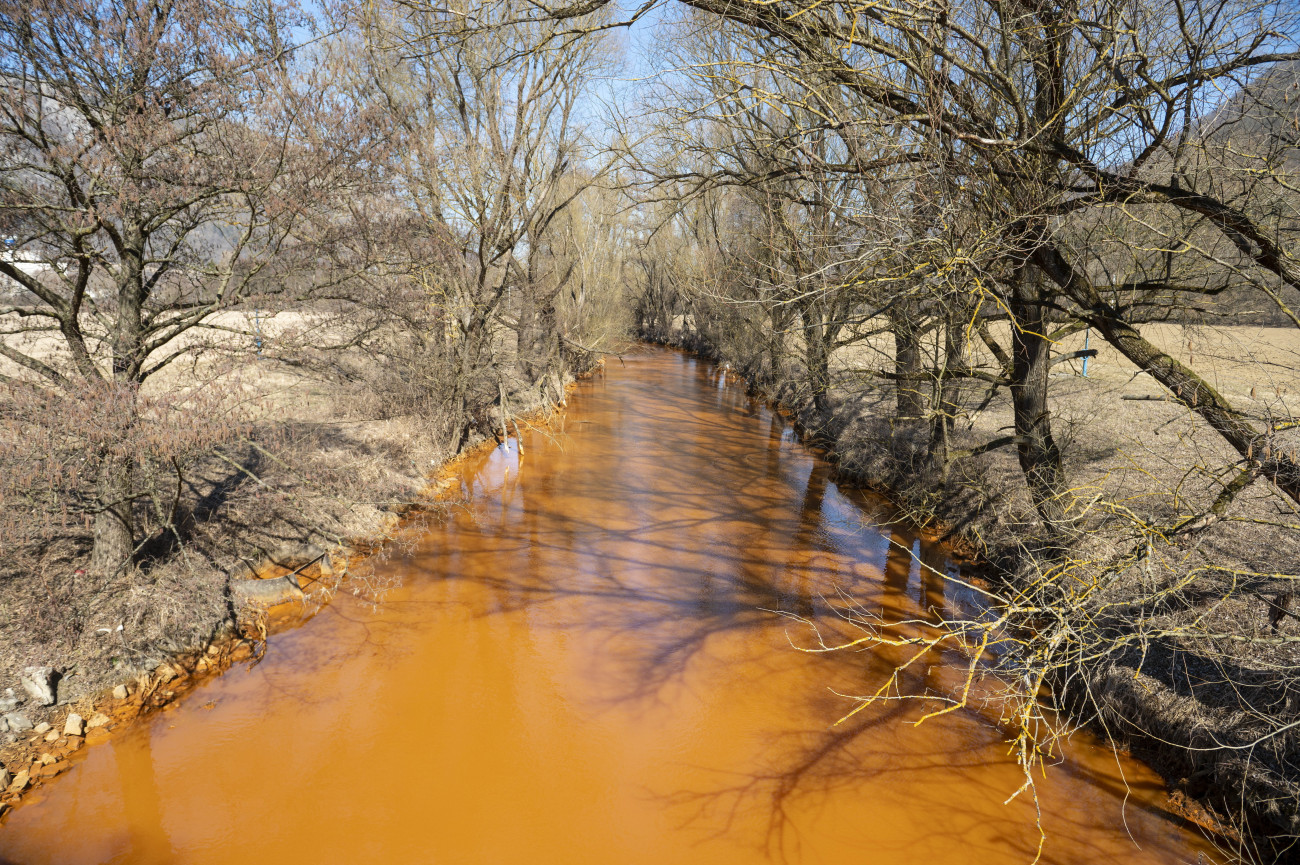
pixel 166 674
pixel 5 779
pixel 74 726
pixel 99 719
pixel 52 769
pixel 74 743
pixel 43 727
pixel 52 736
pixel 4 725
pixel 47 759
pixel 267 593
pixel 20 782
pixel 18 722
pixel 42 684
pixel 9 701
pixel 121 692
pixel 214 649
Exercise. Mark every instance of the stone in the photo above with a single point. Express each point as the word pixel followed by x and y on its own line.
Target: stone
pixel 121 692
pixel 9 701
pixel 267 593
pixel 4 725
pixel 52 736
pixel 47 759
pixel 74 726
pixel 43 727
pixel 42 684
pixel 53 769
pixel 166 674
pixel 18 722
pixel 99 719
pixel 5 779
pixel 20 782
pixel 74 743
pixel 214 649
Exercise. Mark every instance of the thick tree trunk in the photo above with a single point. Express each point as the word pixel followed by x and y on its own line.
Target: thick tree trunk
pixel 774 347
pixel 910 402
pixel 1040 460
pixel 114 526
pixel 817 358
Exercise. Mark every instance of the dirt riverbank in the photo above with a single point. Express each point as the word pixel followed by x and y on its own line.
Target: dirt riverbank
pixel 302 505
pixel 1191 709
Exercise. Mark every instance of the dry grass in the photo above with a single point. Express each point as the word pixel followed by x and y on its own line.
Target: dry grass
pixel 325 460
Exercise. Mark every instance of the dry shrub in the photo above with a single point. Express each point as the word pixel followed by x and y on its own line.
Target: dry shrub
pixel 54 443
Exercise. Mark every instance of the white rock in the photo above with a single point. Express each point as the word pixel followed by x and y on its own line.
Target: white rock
pixel 121 693
pixel 74 726
pixel 18 722
pixel 43 727
pixel 40 683
pixel 98 720
pixel 5 779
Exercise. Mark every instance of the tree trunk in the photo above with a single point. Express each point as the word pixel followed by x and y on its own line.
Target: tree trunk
pixel 1040 460
pixel 948 392
pixel 114 528
pixel 114 524
pixel 817 358
pixel 909 399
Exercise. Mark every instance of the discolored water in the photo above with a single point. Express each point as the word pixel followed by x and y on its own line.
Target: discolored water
pixel 582 667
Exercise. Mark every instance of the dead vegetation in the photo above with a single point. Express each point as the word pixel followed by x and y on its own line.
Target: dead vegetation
pixel 253 293
pixel 898 220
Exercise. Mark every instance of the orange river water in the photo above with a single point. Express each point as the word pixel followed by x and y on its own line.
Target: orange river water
pixel 581 665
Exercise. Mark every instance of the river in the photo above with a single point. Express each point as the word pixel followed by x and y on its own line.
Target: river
pixel 581 665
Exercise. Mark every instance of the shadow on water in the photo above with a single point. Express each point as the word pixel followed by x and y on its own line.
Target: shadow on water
pixel 606 608
pixel 707 523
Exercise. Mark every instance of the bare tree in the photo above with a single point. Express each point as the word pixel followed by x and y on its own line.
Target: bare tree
pixel 490 154
pixel 144 156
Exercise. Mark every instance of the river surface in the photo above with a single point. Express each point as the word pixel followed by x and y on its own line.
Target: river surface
pixel 581 665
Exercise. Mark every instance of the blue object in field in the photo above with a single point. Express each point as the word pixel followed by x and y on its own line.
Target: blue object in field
pixel 1087 336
